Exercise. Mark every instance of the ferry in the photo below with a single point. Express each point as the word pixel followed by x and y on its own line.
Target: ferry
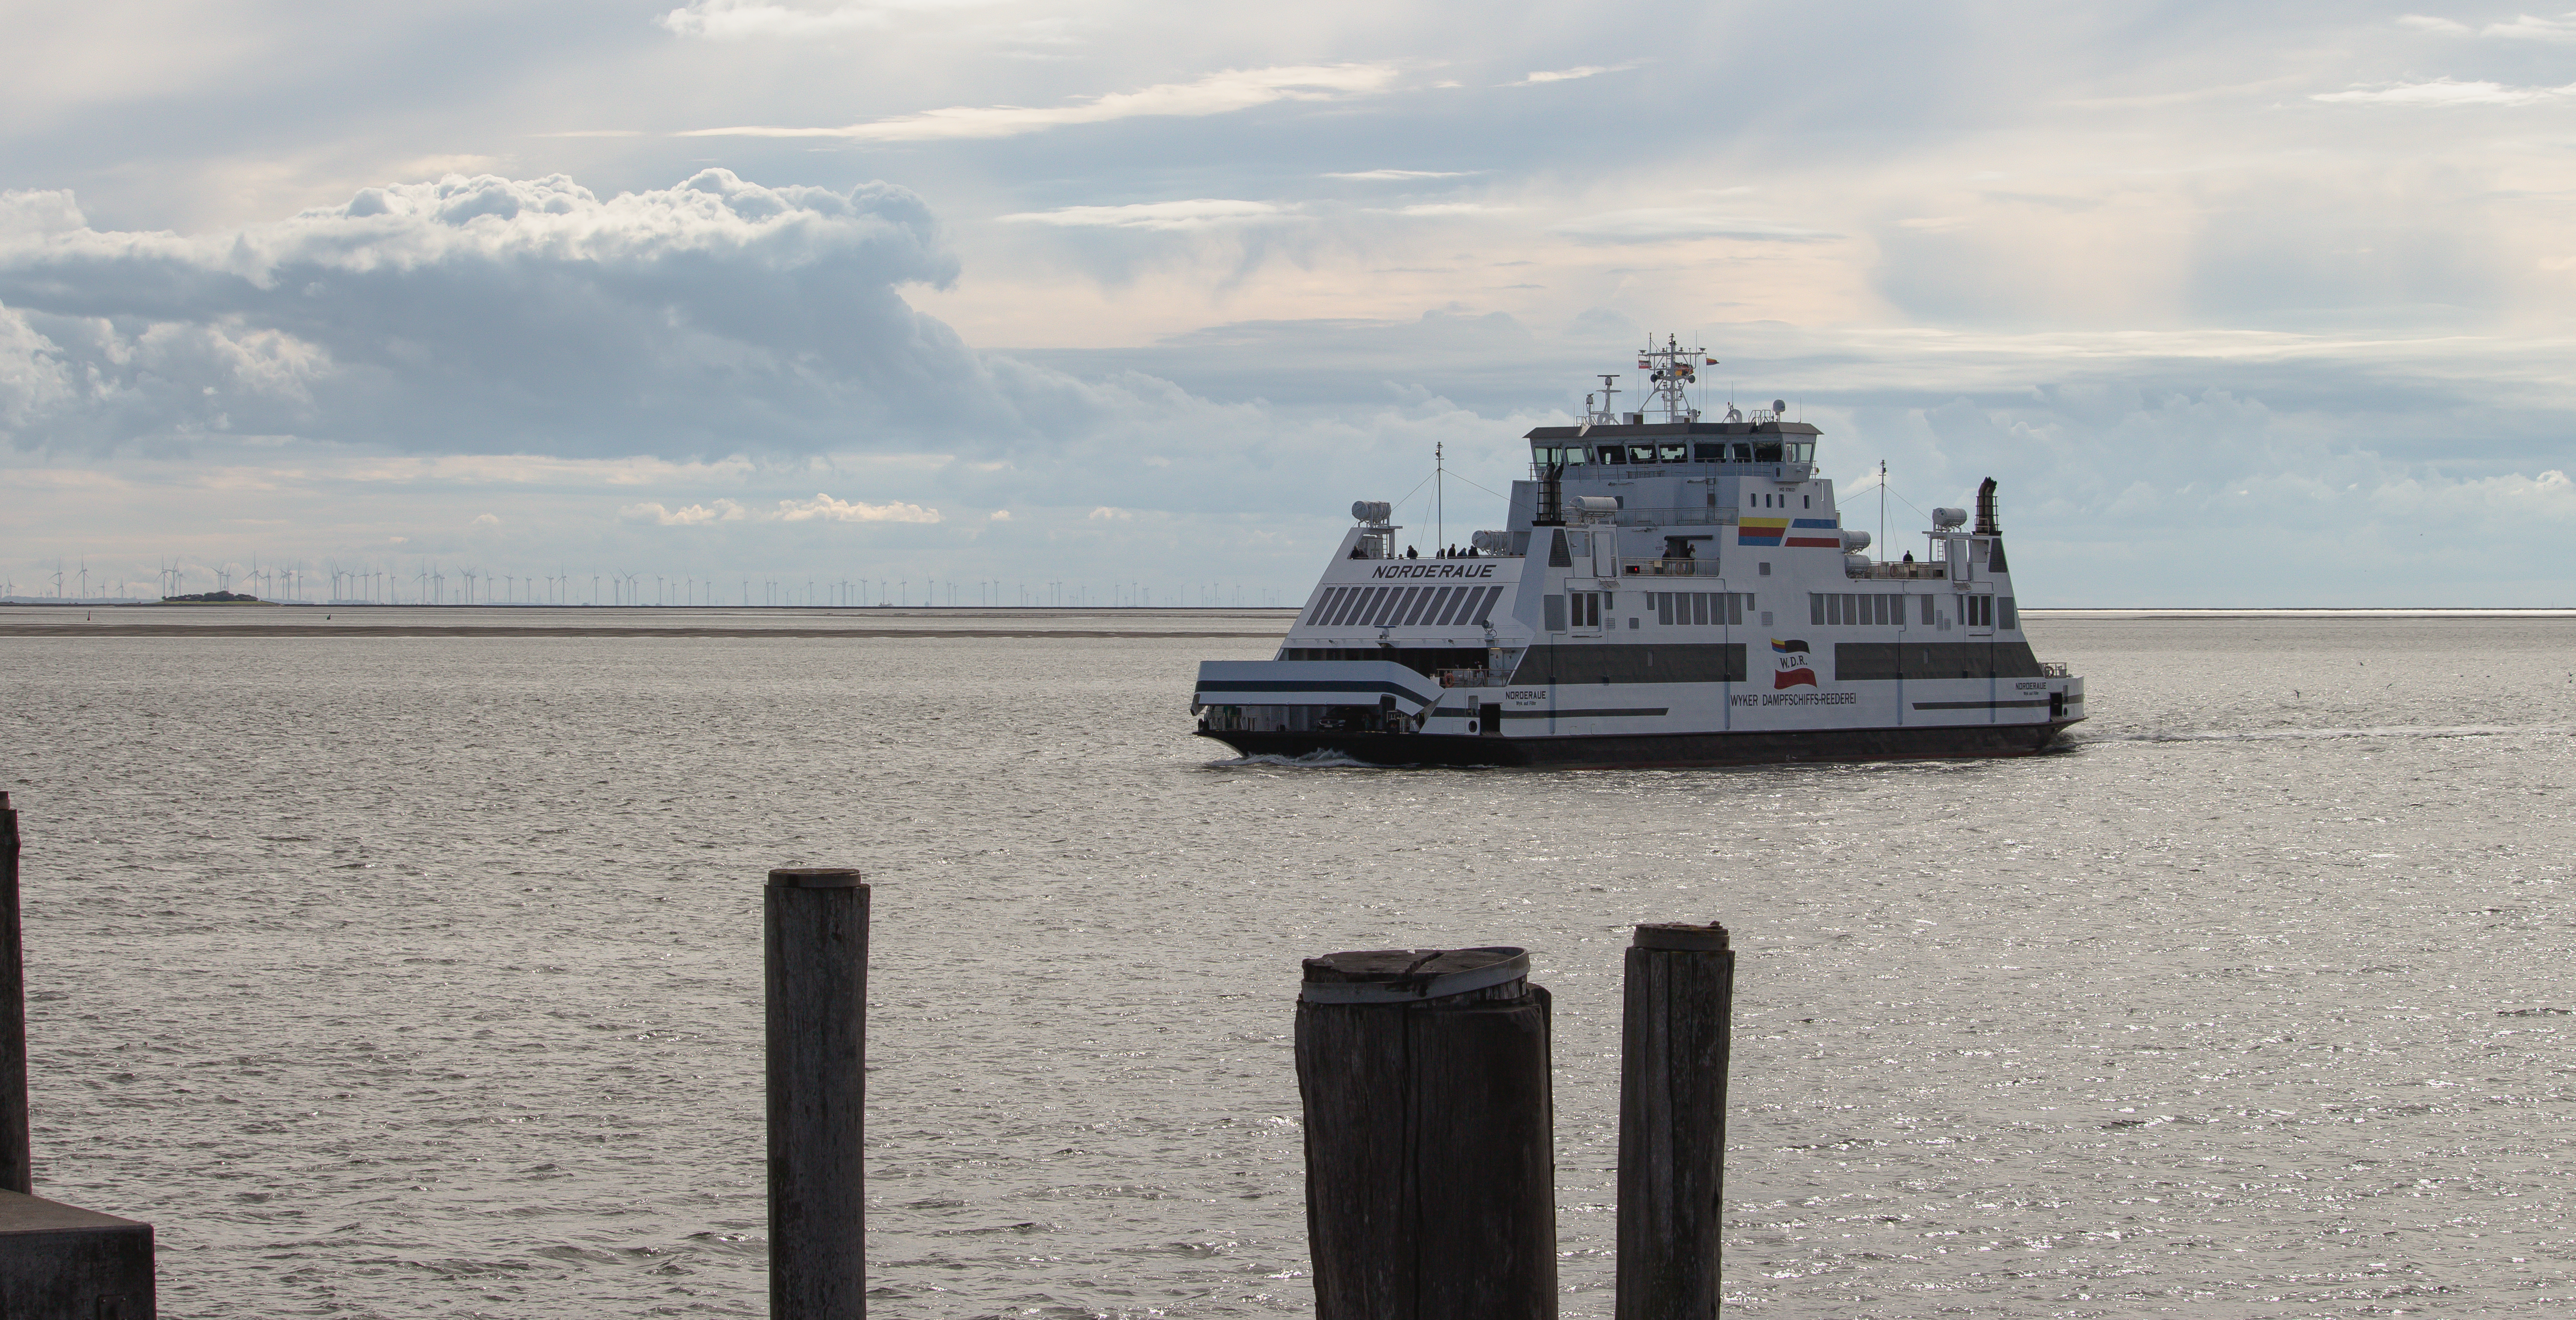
pixel 1669 592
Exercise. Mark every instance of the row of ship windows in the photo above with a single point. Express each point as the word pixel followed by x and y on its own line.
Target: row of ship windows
pixel 1695 607
pixel 1403 607
pixel 1758 451
pixel 1581 610
pixel 1829 609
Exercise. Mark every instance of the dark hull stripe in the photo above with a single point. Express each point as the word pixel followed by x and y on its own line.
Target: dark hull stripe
pixel 2021 704
pixel 1639 750
pixel 1582 714
pixel 1307 685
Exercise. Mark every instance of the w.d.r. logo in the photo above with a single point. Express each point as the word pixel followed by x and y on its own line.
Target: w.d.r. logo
pixel 1794 671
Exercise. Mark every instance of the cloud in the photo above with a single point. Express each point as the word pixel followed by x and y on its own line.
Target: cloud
pixel 1454 208
pixel 490 315
pixel 1667 224
pixel 2428 23
pixel 828 509
pixel 1383 176
pixel 742 20
pixel 2443 91
pixel 1198 213
pixel 1216 94
pixel 821 508
pixel 2529 28
pixel 1001 515
pixel 693 515
pixel 1569 75
pixel 1107 514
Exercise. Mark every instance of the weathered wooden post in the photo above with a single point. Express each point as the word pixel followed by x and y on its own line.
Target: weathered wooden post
pixel 57 1262
pixel 815 958
pixel 17 1158
pixel 1430 1163
pixel 1672 1121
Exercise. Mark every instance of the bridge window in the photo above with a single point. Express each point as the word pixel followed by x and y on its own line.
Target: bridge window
pixel 1673 453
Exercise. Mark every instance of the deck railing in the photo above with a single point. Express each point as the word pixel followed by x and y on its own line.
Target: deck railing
pixel 1668 568
pixel 1908 572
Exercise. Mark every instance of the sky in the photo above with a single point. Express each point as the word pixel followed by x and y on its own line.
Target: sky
pixel 2242 304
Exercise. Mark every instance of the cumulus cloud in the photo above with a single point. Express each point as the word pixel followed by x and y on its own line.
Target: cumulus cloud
pixel 692 515
pixel 1215 94
pixel 821 508
pixel 490 315
pixel 1197 213
pixel 828 509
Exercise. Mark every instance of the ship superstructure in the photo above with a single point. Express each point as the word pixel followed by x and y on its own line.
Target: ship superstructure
pixel 1669 591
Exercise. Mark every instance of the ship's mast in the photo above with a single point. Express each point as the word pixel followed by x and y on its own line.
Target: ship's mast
pixel 1605 415
pixel 1673 369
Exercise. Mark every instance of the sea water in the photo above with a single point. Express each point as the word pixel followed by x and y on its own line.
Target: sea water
pixel 418 975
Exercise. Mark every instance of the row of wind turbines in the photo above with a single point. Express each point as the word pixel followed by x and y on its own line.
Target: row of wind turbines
pixel 429 583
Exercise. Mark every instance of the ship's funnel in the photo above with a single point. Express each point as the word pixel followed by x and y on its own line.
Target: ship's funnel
pixel 1986 509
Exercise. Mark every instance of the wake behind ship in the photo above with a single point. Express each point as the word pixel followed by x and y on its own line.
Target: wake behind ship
pixel 1668 592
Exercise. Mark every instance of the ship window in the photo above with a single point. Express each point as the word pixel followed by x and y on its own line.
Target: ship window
pixel 1664 606
pixel 1736 602
pixel 1674 453
pixel 1614 453
pixel 1709 453
pixel 1554 607
pixel 1340 602
pixel 1816 609
pixel 1802 451
pixel 1699 607
pixel 1766 451
pixel 1927 608
pixel 2011 620
pixel 1577 456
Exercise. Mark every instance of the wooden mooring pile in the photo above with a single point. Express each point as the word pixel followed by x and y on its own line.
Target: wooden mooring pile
pixel 1425 1076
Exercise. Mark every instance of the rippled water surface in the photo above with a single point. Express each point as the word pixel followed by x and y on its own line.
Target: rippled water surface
pixel 412 975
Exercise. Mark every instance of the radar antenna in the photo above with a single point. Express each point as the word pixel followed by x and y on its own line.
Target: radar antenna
pixel 1672 370
pixel 1605 415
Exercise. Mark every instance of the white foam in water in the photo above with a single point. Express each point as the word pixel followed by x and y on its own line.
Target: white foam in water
pixel 1325 760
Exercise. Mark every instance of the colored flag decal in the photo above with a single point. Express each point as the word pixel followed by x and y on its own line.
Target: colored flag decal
pixel 1761 531
pixel 1793 671
pixel 1802 525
